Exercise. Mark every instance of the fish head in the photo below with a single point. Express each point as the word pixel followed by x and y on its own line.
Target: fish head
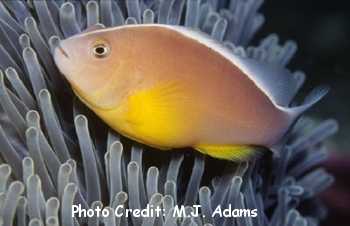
pixel 91 65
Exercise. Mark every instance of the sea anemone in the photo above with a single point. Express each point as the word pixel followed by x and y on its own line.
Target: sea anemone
pixel 57 156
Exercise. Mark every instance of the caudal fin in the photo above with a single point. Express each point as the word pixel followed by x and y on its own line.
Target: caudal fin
pixel 316 94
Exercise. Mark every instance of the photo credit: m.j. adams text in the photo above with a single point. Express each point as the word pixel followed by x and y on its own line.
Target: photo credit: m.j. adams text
pixel 157 211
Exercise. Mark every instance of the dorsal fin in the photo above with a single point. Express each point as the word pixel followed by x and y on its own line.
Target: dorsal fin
pixel 275 81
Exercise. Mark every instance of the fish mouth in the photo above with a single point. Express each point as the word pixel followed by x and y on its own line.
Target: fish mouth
pixel 61 58
pixel 62 51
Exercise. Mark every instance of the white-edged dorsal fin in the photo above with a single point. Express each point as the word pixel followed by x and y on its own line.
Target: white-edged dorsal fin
pixel 275 81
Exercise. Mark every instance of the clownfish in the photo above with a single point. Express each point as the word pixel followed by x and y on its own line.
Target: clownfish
pixel 172 87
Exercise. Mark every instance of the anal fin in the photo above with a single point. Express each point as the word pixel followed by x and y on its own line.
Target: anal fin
pixel 239 153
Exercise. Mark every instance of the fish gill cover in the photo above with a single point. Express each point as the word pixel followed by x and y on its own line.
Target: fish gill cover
pixel 55 153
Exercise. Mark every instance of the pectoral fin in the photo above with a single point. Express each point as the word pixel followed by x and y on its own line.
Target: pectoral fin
pixel 241 153
pixel 164 116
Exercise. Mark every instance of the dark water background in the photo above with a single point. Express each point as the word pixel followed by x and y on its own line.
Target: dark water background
pixel 322 30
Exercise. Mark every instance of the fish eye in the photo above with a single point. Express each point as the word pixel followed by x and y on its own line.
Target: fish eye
pixel 100 49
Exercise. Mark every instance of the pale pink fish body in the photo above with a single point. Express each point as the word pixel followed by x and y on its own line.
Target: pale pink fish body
pixel 170 87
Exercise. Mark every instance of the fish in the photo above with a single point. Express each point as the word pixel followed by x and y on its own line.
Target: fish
pixel 171 87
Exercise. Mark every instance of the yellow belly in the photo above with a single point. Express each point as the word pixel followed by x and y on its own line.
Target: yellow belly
pixel 157 117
